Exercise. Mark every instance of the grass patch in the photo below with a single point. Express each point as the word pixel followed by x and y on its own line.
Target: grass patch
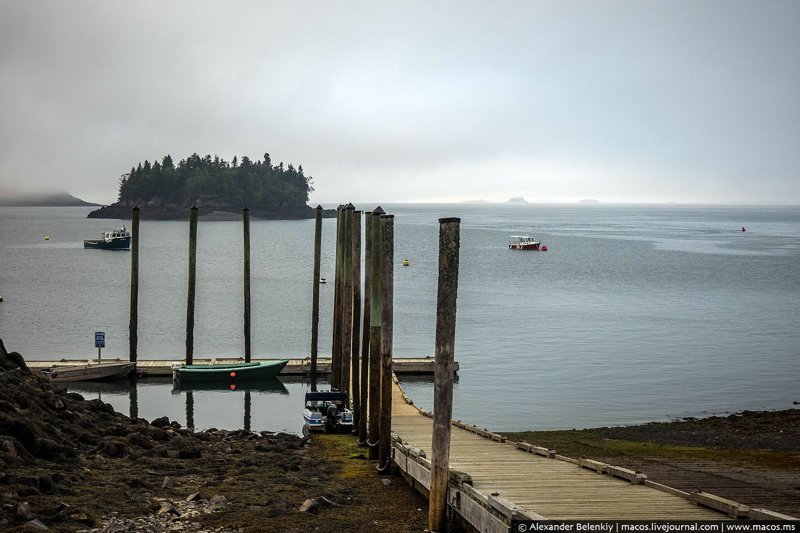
pixel 588 444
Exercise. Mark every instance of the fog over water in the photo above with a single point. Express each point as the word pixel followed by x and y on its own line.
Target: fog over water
pixel 630 101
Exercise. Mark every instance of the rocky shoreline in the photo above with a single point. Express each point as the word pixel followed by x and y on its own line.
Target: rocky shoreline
pixel 70 464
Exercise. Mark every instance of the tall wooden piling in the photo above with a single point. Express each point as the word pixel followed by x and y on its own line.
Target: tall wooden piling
pixel 247 409
pixel 315 297
pixel 387 297
pixel 373 423
pixel 365 356
pixel 192 285
pixel 189 409
pixel 449 243
pixel 133 396
pixel 133 325
pixel 246 228
pixel 355 242
pixel 347 298
pixel 337 304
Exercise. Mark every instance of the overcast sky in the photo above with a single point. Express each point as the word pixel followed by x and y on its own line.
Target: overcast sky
pixel 635 101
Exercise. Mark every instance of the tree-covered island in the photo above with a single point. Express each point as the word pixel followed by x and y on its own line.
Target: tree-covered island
pixel 167 191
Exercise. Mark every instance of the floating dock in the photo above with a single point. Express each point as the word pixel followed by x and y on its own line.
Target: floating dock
pixel 295 366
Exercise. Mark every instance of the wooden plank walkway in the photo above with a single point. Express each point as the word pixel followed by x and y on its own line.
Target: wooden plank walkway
pixel 553 488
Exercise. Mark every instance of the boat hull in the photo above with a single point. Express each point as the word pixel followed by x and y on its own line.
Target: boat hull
pixel 91 372
pixel 527 246
pixel 122 243
pixel 229 373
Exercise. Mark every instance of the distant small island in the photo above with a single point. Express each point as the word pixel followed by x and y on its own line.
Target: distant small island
pixel 589 201
pixel 517 200
pixel 219 189
pixel 58 199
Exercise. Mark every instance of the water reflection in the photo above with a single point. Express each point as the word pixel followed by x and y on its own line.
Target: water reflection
pixel 271 405
pixel 272 385
pixel 122 387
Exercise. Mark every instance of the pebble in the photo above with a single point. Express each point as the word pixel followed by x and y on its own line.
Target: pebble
pixel 36 524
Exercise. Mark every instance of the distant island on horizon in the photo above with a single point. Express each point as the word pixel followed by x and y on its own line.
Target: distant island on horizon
pixel 54 199
pixel 517 200
pixel 218 188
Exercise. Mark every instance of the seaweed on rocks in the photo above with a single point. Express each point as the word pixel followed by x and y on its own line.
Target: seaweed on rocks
pixel 69 464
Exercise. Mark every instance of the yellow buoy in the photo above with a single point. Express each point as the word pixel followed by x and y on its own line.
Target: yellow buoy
pixel 47 237
pixel 405 262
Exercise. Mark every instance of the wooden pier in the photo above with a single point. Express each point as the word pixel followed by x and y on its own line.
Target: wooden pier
pixel 493 481
pixel 295 367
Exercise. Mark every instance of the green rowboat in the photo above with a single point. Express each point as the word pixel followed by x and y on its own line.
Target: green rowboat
pixel 229 373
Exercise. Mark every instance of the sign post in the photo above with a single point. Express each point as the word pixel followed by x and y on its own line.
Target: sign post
pixel 99 343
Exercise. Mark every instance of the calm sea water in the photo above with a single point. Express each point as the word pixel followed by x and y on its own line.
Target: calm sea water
pixel 635 313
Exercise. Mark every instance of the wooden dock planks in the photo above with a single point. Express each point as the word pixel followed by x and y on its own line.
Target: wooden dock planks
pixel 552 488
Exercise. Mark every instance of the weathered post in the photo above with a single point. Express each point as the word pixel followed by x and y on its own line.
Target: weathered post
pixel 190 409
pixel 373 428
pixel 133 395
pixel 387 288
pixel 133 327
pixel 315 297
pixel 246 228
pixel 337 296
pixel 449 243
pixel 347 297
pixel 364 407
pixel 192 285
pixel 247 407
pixel 355 241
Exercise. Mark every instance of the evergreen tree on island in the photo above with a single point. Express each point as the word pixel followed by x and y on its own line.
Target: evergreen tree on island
pixel 165 190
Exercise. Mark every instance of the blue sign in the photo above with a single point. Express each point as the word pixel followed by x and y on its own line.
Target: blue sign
pixel 99 339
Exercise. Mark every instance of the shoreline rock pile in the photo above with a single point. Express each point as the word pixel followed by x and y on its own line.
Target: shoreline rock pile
pixel 60 453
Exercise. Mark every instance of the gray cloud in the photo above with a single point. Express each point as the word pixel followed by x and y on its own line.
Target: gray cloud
pixel 637 101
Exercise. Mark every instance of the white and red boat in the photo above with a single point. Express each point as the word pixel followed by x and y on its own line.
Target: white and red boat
pixel 525 242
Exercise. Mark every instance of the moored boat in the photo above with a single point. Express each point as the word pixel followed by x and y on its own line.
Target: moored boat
pixel 327 411
pixel 525 242
pixel 116 239
pixel 89 372
pixel 228 373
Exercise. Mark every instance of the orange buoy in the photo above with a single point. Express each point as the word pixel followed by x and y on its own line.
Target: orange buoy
pixel 233 374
